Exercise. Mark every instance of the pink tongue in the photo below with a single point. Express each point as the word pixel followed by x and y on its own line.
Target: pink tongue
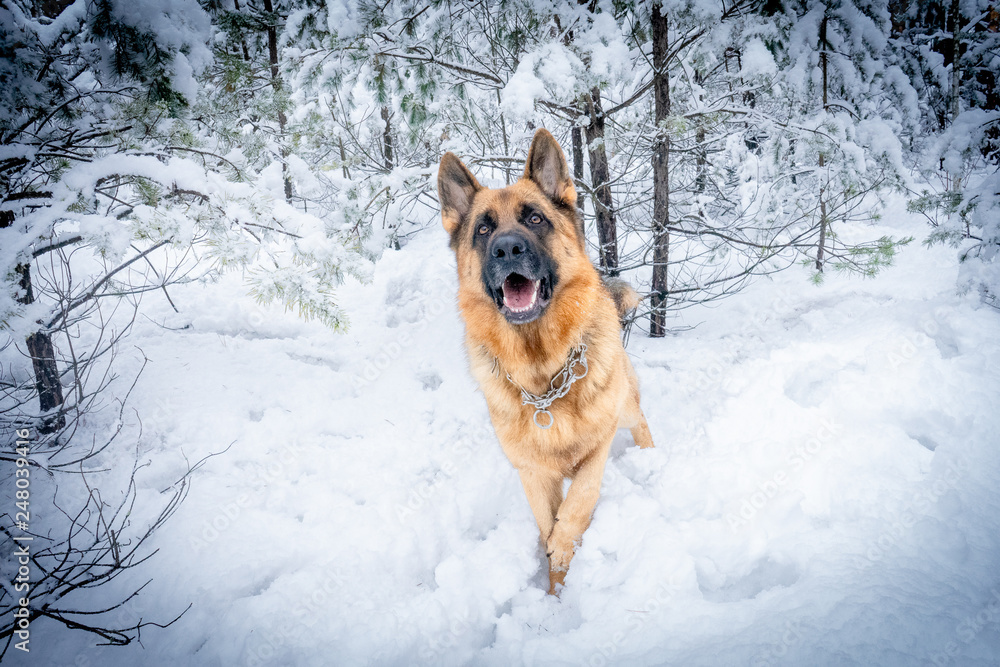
pixel 517 291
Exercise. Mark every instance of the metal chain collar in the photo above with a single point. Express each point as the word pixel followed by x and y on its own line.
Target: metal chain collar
pixel 558 387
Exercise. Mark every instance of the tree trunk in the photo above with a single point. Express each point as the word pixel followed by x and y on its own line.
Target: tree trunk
pixel 43 356
pixel 661 175
pixel 50 396
pixel 575 131
pixel 821 249
pixel 823 57
pixel 49 8
pixel 701 161
pixel 506 146
pixel 243 40
pixel 340 145
pixel 577 135
pixel 387 139
pixel 343 158
pixel 955 16
pixel 600 176
pixel 276 85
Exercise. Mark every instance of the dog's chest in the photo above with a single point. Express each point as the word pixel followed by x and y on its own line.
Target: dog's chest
pixel 521 429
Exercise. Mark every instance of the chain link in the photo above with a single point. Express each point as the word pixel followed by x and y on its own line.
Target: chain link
pixel 558 387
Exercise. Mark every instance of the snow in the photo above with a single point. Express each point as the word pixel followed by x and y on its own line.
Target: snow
pixel 551 69
pixel 757 60
pixel 823 489
pixel 558 72
pixel 67 21
pixel 342 18
pixel 602 47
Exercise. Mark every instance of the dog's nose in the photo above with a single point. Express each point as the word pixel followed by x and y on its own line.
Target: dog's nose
pixel 508 246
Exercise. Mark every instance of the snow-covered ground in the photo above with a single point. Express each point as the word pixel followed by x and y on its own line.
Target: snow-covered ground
pixel 825 488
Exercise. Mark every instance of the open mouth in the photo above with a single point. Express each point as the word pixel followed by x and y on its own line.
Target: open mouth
pixel 522 299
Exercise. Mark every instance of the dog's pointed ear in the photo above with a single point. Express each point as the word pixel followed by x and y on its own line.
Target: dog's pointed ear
pixel 456 188
pixel 547 167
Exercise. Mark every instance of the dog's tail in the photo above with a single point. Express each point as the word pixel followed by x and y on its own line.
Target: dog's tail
pixel 625 297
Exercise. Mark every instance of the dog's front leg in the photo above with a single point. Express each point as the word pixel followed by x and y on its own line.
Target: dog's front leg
pixel 543 487
pixel 574 514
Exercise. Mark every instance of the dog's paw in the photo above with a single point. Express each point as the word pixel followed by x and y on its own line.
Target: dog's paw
pixel 556 580
pixel 559 548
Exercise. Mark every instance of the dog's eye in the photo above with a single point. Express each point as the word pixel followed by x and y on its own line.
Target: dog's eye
pixel 484 229
pixel 535 219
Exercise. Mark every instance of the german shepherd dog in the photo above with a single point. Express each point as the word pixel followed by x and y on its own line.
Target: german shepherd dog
pixel 543 336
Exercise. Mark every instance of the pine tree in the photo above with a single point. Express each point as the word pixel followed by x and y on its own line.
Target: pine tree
pixel 71 91
pixel 949 52
pixel 834 147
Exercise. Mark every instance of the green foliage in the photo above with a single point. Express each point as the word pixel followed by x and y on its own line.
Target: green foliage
pixel 299 289
pixel 870 258
pixel 948 213
pixel 293 252
pixel 136 56
pixel 147 191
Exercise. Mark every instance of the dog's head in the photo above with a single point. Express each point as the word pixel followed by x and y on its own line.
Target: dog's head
pixel 517 247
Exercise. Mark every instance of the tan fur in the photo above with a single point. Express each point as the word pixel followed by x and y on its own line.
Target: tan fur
pixel 582 309
pixel 625 297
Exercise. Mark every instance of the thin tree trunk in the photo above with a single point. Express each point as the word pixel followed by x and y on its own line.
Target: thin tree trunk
pixel 577 135
pixel 50 396
pixel 387 139
pixel 49 8
pixel 575 131
pixel 340 145
pixel 276 84
pixel 600 176
pixel 243 41
pixel 506 146
pixel 701 161
pixel 955 16
pixel 821 249
pixel 823 223
pixel 343 158
pixel 824 47
pixel 43 356
pixel 661 175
